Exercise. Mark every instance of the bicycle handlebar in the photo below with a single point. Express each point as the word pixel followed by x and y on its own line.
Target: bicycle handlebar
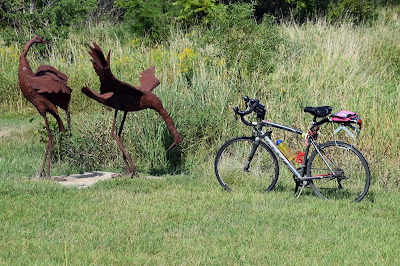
pixel 251 104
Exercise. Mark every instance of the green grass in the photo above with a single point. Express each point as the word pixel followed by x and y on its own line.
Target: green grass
pixel 187 221
pixel 180 219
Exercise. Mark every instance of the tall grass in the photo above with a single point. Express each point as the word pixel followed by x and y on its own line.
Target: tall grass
pixel 345 66
pixel 354 68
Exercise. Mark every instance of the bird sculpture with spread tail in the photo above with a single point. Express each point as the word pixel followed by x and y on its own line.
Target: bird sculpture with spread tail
pixel 45 89
pixel 122 96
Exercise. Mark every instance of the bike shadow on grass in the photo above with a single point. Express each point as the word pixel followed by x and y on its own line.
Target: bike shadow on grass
pixel 370 197
pixel 285 188
pixel 334 194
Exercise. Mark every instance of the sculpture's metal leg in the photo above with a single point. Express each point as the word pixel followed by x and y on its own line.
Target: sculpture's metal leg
pixel 131 166
pixel 58 118
pixel 120 139
pixel 122 124
pixel 49 157
pixel 48 150
pixel 68 114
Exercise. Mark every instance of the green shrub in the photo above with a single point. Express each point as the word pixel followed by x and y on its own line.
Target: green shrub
pixel 245 44
pixel 353 10
pixel 155 17
pixel 152 16
pixel 48 18
pixel 193 11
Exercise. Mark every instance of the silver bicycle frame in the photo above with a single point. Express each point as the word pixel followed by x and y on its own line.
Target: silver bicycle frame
pixel 277 152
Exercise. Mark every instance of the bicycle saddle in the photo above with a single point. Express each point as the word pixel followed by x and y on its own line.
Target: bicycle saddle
pixel 319 111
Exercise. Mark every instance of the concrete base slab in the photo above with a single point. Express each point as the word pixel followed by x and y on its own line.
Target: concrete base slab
pixel 84 180
pixel 89 178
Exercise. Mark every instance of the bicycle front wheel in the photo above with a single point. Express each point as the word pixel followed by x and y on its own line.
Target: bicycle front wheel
pixel 343 172
pixel 235 170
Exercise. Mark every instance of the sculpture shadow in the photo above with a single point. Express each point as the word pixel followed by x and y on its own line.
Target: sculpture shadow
pixel 90 174
pixel 175 157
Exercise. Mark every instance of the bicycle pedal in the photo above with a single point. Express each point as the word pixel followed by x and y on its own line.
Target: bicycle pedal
pixel 296 188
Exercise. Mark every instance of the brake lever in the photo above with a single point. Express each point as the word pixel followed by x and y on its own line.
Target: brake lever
pixel 236 109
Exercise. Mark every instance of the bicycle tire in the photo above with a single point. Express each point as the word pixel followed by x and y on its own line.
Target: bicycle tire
pixel 230 162
pixel 352 176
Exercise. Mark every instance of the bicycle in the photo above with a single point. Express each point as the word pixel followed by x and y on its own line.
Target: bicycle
pixel 333 170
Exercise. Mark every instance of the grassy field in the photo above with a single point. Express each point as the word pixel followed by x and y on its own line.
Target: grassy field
pixel 180 219
pixel 184 217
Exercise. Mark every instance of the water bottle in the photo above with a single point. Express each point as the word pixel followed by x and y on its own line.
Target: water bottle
pixel 285 150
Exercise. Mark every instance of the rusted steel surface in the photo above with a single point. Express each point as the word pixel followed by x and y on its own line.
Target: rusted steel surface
pixel 124 97
pixel 45 89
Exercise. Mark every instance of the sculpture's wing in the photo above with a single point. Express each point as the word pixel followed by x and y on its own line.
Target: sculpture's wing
pixel 44 69
pixel 109 83
pixel 148 80
pixel 49 80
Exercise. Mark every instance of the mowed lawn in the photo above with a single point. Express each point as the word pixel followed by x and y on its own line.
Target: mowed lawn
pixel 179 219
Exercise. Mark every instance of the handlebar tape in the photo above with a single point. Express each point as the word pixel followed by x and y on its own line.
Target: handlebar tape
pixel 243 113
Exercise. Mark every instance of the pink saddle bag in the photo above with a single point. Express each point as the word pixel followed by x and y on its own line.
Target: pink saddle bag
pixel 345 117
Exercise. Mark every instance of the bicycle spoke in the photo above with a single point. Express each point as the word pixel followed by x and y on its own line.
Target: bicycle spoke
pixel 235 171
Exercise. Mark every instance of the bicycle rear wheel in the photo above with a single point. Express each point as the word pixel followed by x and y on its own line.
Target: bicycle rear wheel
pixel 235 171
pixel 351 177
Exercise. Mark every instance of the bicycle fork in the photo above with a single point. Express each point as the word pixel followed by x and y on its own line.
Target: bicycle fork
pixel 253 151
pixel 280 155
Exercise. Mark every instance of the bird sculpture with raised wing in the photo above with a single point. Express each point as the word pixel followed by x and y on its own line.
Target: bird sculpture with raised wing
pixel 124 97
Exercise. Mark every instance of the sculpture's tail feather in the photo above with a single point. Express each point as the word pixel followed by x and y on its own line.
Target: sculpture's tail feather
pixel 101 65
pixel 99 61
pixel 88 92
pixel 101 98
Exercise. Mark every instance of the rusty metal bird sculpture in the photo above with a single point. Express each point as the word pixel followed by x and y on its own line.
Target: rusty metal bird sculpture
pixel 45 89
pixel 122 96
